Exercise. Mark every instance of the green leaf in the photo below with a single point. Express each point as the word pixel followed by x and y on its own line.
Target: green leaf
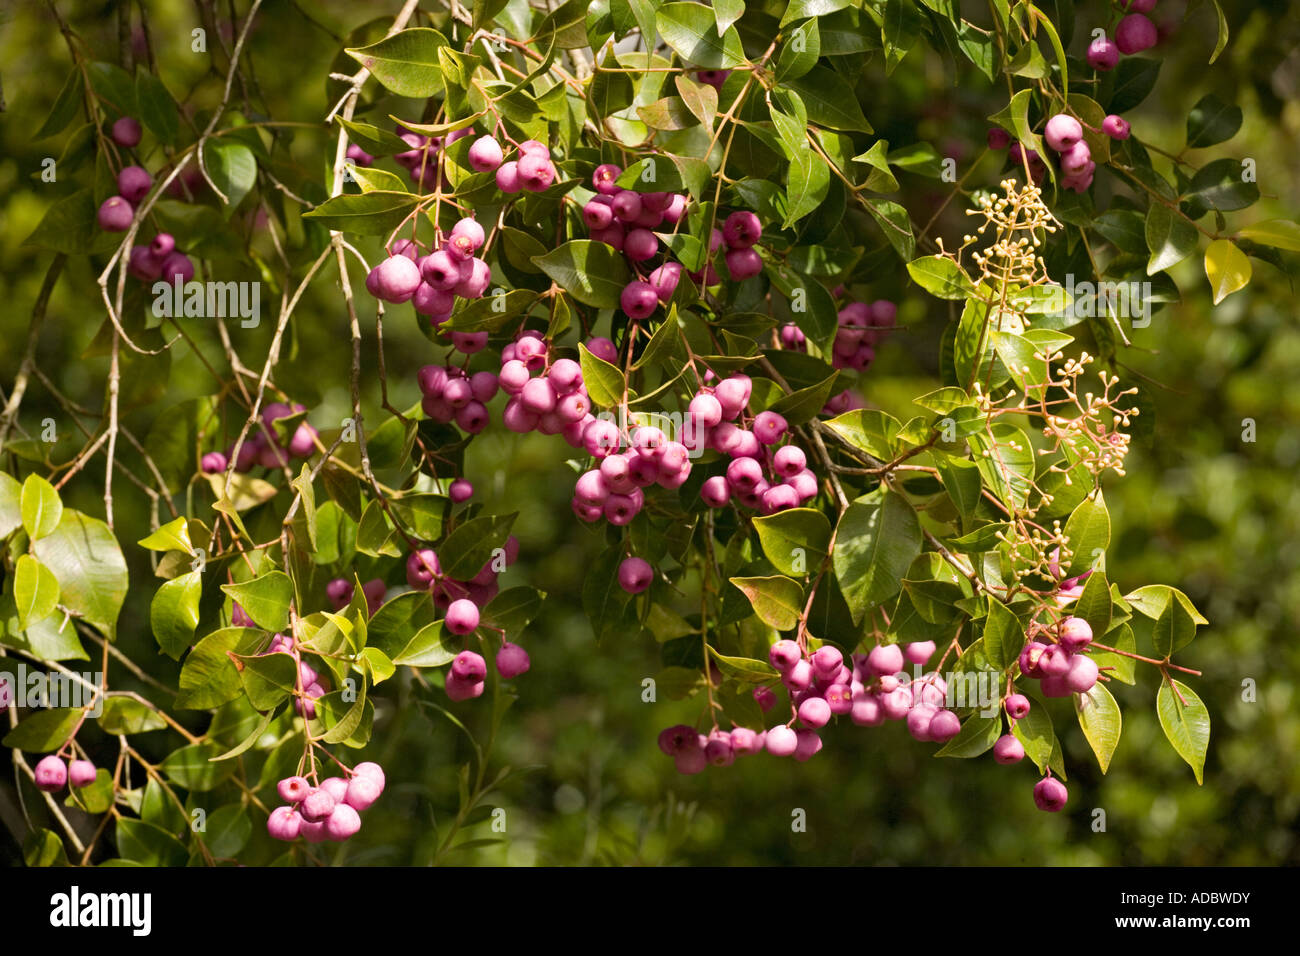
pixel 233 169
pixel 43 847
pixel 11 510
pixel 432 646
pixel 802 9
pixel 1278 233
pixel 174 613
pixel 591 272
pixel 870 430
pixel 805 404
pixel 940 277
pixel 84 557
pixel 977 736
pixel 71 226
pixel 1121 667
pixel 123 715
pixel 157 108
pixel 1227 268
pixel 1222 41
pixel 149 845
pixel 1169 236
pixel 1134 78
pixel 406 63
pixel 691 30
pixel 268 679
pixel 514 609
pixel 194 769
pixel 605 383
pixel 961 479
pixel 41 507
pixel 265 599
pixel 795 540
pixel 228 830
pixel 373 139
pixel 1212 121
pixel 777 600
pixel 1174 629
pixel 1186 723
pixel 830 100
pixel 173 536
pixel 43 730
pixel 878 538
pixel 900 30
pixel 1100 721
pixel 1094 604
pixel 744 669
pixel 64 110
pixel 423 514
pixel 1220 185
pixel 1006 460
pixel 470 546
pixel 36 591
pixel 1088 534
pixel 366 214
pixel 1004 637
pixel 209 677
pixel 799 52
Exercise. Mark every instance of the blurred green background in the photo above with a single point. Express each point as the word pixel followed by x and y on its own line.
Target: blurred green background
pixel 1200 509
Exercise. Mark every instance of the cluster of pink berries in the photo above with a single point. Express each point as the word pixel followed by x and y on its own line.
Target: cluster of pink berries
pixel 328 812
pixel 452 395
pixel 763 474
pixel 419 160
pixel 52 773
pixel 530 170
pixel 310 681
pixel 258 449
pixel 861 328
pixel 1064 134
pixel 340 590
pixel 1133 34
pixel 432 282
pixel 554 401
pixel 160 258
pixel 467 675
pixel 460 599
pixel 1062 668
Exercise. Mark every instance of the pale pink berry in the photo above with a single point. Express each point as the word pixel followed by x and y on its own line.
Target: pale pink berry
pixel 885 659
pixel 733 395
pixel 808 743
pixel 1062 132
pixel 743 263
pixel 507 177
pixel 604 179
pixel 342 823
pixel 1055 661
pixel 769 427
pixel 318 805
pixel 81 773
pixel 626 205
pixel 719 750
pixel 944 726
pixel 799 677
pixel 1075 634
pixel 462 616
pixel 602 348
pixel 293 789
pixel 715 492
pixel 1082 674
pixel 485 154
pixel 1116 127
pixel 363 790
pixel 827 661
pixel 781 741
pixel 51 773
pixel 815 712
pixel 284 823
pixel 918 652
pixel 1008 750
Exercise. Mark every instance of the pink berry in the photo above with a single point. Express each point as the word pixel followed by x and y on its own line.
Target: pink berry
pixel 769 427
pixel 741 230
pixel 342 823
pixel 815 712
pixel 719 751
pixel 284 823
pixel 507 177
pixel 635 575
pixel 639 299
pixel 799 677
pixel 462 616
pixel 1050 795
pixel 1055 661
pixel 1075 634
pixel 485 154
pixel 1031 656
pixel 715 492
pixel 944 726
pixel 133 183
pixel 1134 34
pixel 781 741
pixel 789 460
pixel 1103 54
pixel 626 205
pixel 51 774
pixel 318 805
pixel 808 742
pixel 602 348
pixel 81 773
pixel 1017 706
pixel 126 132
pixel 998 138
pixel 885 659
pixel 918 652
pixel 784 654
pixel 733 395
pixel 293 789
pixel 363 790
pixel 512 660
pixel 421 568
pixel 1082 674
pixel 1062 132
pixel 460 491
pixel 115 215
pixel 396 279
pixel 691 761
pixel 604 179
pixel 827 661
pixel 1008 750
pixel 1116 127
pixel 743 263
